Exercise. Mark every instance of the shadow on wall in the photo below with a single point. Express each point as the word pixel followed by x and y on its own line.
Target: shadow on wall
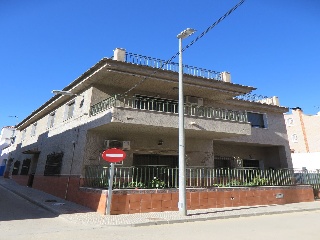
pixel 62 177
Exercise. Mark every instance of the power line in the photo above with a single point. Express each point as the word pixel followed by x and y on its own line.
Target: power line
pixel 189 45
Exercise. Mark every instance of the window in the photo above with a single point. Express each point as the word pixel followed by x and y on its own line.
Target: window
pixel 23 134
pixel 25 167
pixel 251 163
pixel 294 138
pixel 290 121
pixel 257 120
pixel 69 110
pixel 33 129
pixel 51 119
pixel 53 164
pixel 16 167
pixel 223 162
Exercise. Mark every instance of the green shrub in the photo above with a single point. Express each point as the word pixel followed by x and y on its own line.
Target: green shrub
pixel 156 183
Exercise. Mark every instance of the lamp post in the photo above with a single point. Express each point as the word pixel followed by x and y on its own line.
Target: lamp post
pixel 182 165
pixel 68 93
pixel 63 93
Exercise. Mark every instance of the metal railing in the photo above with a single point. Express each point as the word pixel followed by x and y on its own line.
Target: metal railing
pixel 171 66
pixel 169 106
pixel 198 177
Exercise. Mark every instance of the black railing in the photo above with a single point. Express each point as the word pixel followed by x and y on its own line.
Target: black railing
pixel 171 66
pixel 198 177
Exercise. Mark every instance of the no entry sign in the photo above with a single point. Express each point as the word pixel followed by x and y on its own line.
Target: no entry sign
pixel 114 155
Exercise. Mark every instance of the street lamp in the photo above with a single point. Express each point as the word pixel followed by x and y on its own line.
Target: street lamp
pixel 64 93
pixel 182 165
pixel 68 93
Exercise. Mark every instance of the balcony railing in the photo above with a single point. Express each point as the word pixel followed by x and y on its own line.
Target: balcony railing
pixel 171 66
pixel 168 106
pixel 197 177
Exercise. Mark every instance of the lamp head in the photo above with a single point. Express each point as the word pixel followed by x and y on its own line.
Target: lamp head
pixel 186 33
pixel 65 93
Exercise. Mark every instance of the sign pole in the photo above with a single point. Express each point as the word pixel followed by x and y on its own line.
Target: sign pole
pixel 112 155
pixel 111 174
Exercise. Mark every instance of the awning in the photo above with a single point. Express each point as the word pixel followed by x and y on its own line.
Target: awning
pixel 31 151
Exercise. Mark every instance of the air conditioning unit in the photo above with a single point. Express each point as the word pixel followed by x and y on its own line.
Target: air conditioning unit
pixel 194 100
pixel 124 145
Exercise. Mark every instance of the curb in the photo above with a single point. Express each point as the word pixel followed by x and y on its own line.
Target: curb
pixel 162 220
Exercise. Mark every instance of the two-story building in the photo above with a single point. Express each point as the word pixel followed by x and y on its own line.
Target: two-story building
pixel 132 101
pixel 6 139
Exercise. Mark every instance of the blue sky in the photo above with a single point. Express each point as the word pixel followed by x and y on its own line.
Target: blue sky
pixel 272 45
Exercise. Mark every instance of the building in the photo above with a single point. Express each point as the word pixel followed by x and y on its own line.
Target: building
pixel 130 101
pixel 6 139
pixel 304 138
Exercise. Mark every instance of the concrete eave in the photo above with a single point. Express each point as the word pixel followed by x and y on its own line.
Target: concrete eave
pixel 95 74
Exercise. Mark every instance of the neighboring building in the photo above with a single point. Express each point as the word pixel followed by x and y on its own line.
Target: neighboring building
pixel 304 138
pixel 130 100
pixel 7 137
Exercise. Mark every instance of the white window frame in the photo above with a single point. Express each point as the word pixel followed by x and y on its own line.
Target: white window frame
pixel 294 138
pixel 51 118
pixel 23 134
pixel 290 122
pixel 33 129
pixel 69 110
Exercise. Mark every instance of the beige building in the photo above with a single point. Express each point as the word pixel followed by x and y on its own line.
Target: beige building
pixel 303 131
pixel 131 100
pixel 304 138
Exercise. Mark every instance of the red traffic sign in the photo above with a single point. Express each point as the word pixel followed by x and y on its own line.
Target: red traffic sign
pixel 114 155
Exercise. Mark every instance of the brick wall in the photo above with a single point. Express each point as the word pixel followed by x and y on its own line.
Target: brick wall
pixel 140 201
pixel 159 200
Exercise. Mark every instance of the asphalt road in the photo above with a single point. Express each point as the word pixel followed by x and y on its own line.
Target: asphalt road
pixel 20 219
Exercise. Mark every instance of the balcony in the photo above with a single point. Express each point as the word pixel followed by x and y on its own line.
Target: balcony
pixel 169 106
pixel 143 114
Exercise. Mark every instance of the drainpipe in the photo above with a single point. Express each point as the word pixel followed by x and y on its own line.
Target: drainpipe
pixel 303 130
pixel 73 150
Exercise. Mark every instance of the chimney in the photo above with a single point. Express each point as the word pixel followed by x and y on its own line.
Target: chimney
pixel 275 101
pixel 119 54
pixel 226 77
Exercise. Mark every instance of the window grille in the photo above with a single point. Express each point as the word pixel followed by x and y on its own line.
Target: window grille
pixel 25 167
pixel 53 164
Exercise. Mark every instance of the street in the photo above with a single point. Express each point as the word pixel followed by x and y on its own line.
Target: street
pixel 21 219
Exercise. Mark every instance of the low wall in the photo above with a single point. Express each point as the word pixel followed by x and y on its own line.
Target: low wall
pixel 159 200
pixel 69 189
pixel 21 179
pixel 142 201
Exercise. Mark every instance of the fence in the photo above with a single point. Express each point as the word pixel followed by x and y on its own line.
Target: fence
pixel 198 177
pixel 171 66
pixel 167 106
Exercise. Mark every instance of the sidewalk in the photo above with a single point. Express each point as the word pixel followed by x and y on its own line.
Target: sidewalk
pixel 83 215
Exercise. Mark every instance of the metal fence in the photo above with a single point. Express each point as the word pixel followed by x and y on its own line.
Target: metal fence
pixel 198 177
pixel 171 66
pixel 168 106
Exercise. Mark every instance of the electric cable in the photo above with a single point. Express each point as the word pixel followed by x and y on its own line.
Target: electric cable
pixel 187 46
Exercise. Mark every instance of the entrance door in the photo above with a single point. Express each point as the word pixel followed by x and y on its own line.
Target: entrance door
pixel 33 169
